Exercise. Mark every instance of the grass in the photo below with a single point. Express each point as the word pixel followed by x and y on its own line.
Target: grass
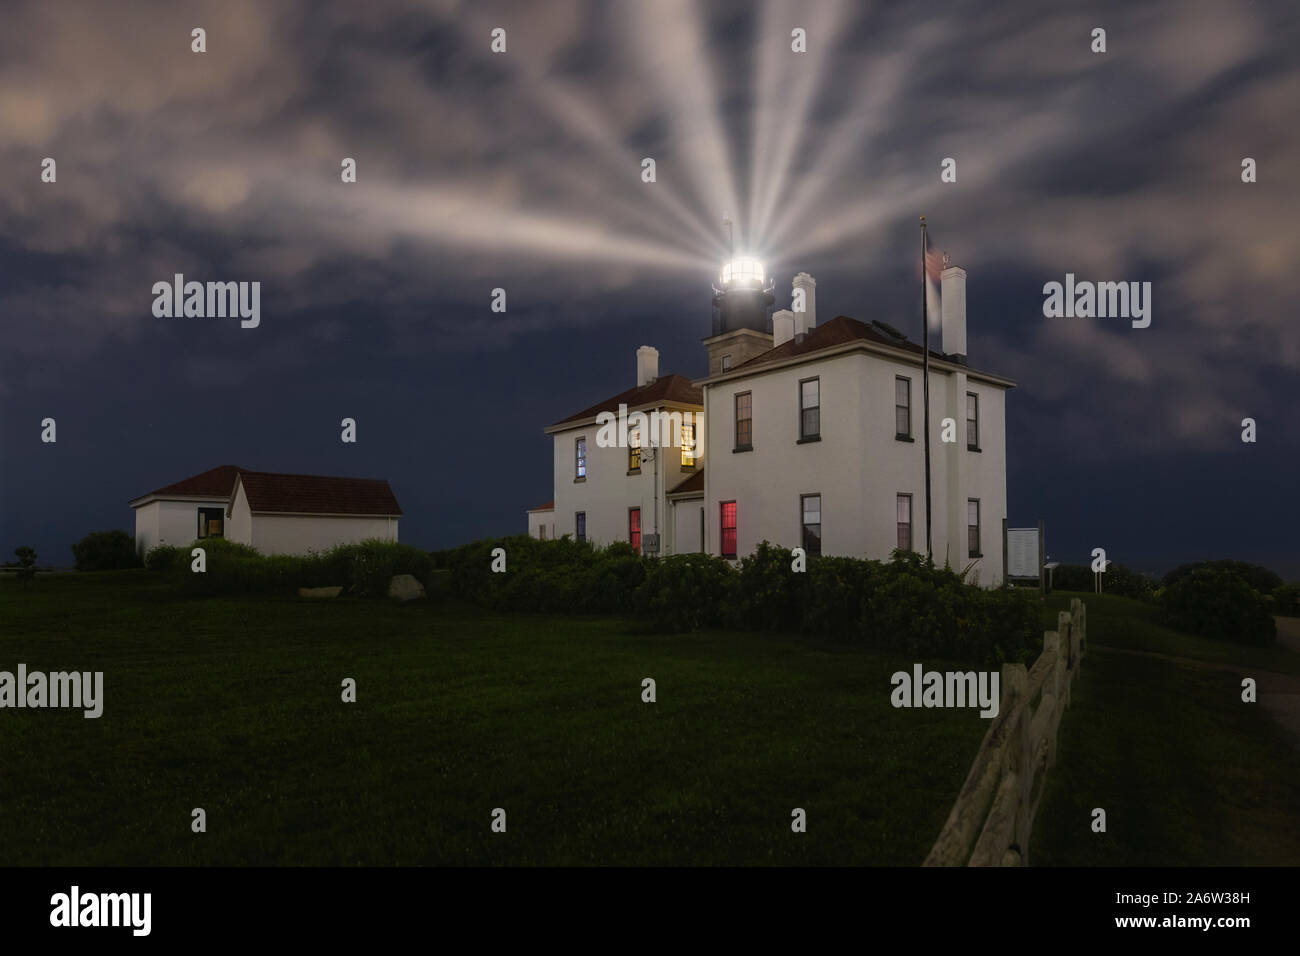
pixel 233 705
pixel 1188 774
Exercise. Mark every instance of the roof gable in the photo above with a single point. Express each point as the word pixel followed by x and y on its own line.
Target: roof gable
pixel 271 493
pixel 667 389
pixel 216 482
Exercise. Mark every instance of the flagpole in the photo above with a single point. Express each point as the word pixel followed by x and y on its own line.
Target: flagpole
pixel 925 386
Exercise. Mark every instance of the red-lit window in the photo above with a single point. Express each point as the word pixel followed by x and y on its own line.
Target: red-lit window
pixel 634 528
pixel 728 529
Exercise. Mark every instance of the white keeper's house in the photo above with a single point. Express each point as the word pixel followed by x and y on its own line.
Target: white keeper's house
pixel 274 513
pixel 813 439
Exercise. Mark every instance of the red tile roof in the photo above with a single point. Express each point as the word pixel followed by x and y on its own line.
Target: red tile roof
pixel 667 389
pixel 217 482
pixel 837 331
pixel 317 494
pixel 694 483
pixel 549 506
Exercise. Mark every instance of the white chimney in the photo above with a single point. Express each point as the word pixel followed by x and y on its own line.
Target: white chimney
pixel 783 325
pixel 953 311
pixel 647 365
pixel 805 319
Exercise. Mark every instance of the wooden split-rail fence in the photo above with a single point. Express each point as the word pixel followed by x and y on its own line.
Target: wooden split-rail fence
pixel 993 817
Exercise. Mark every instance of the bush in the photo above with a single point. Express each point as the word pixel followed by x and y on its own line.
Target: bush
pixel 908 604
pixel 686 592
pixel 26 562
pixel 1118 580
pixel 363 569
pixel 1286 600
pixel 1218 602
pixel 161 557
pixel 771 597
pixel 106 551
pixel 1260 578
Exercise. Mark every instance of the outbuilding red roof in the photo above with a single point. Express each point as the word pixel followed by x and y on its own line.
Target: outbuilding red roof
pixel 217 482
pixel 269 492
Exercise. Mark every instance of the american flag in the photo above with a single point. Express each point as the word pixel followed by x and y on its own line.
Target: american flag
pixel 934 266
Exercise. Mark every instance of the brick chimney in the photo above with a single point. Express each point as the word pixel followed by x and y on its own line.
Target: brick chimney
pixel 647 365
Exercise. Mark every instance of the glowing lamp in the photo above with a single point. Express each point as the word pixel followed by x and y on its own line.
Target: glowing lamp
pixel 743 270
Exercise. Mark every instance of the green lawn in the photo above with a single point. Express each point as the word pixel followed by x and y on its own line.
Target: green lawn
pixel 234 705
pixel 1187 773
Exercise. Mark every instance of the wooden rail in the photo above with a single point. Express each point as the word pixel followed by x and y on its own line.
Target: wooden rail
pixel 993 817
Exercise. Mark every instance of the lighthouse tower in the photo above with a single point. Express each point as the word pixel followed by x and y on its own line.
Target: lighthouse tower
pixel 742 315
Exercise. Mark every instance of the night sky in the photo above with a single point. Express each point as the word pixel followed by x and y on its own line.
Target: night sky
pixel 522 170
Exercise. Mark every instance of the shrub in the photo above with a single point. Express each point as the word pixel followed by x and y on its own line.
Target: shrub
pixel 26 562
pixel 686 592
pixel 1286 600
pixel 1260 578
pixel 1118 580
pixel 363 569
pixel 772 598
pixel 837 588
pixel 106 551
pixel 1218 602
pixel 161 557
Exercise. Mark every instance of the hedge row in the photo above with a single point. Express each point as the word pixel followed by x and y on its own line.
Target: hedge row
pixel 363 569
pixel 906 603
pixel 1218 602
pixel 1117 579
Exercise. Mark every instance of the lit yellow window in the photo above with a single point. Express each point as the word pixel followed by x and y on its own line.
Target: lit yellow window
pixel 688 446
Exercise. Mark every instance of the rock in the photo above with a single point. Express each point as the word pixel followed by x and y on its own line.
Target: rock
pixel 320 592
pixel 405 587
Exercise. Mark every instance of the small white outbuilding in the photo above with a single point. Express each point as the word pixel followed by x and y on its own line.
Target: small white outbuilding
pixel 272 512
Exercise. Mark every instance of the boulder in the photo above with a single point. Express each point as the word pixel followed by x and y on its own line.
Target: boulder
pixel 320 592
pixel 405 587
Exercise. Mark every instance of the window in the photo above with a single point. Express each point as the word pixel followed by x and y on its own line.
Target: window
pixel 810 507
pixel 580 525
pixel 744 421
pixel 728 529
pixel 633 458
pixel 580 460
pixel 688 447
pixel 902 407
pixel 903 506
pixel 726 362
pixel 211 522
pixel 972 421
pixel 810 410
pixel 634 528
pixel 973 526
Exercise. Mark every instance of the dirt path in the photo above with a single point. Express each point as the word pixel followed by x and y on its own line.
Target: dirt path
pixel 1279 694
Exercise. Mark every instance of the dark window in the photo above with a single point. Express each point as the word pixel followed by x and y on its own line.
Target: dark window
pixel 973 526
pixel 634 458
pixel 903 505
pixel 903 407
pixel 744 420
pixel 580 525
pixel 728 529
pixel 810 507
pixel 810 409
pixel 972 421
pixel 580 458
pixel 634 528
pixel 211 522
